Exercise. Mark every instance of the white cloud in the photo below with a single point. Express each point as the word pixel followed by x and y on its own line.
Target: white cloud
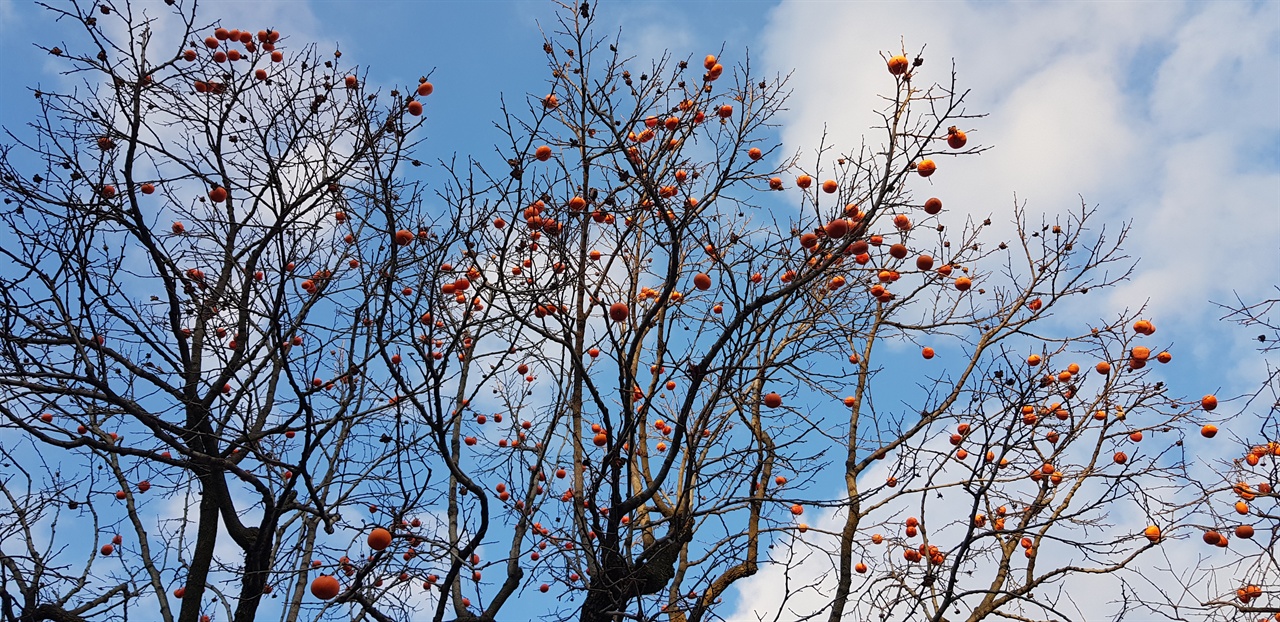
pixel 1161 116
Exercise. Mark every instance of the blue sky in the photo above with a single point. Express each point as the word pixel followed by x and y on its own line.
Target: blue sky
pixel 475 50
pixel 1163 114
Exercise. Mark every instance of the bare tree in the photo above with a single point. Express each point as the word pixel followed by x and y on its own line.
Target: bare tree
pixel 189 317
pixel 628 355
pixel 1236 519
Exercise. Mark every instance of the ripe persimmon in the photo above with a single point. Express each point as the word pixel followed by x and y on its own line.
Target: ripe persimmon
pixel 898 65
pixel 379 539
pixel 926 168
pixel 772 400
pixel 325 587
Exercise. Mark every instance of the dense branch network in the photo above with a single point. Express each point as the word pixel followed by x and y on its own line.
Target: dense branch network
pixel 636 361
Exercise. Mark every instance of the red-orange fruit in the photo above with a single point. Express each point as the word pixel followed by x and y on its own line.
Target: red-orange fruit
pixel 379 539
pixel 898 65
pixel 325 587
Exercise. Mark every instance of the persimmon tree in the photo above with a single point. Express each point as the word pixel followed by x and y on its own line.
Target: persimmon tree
pixel 1238 518
pixel 623 365
pixel 189 319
